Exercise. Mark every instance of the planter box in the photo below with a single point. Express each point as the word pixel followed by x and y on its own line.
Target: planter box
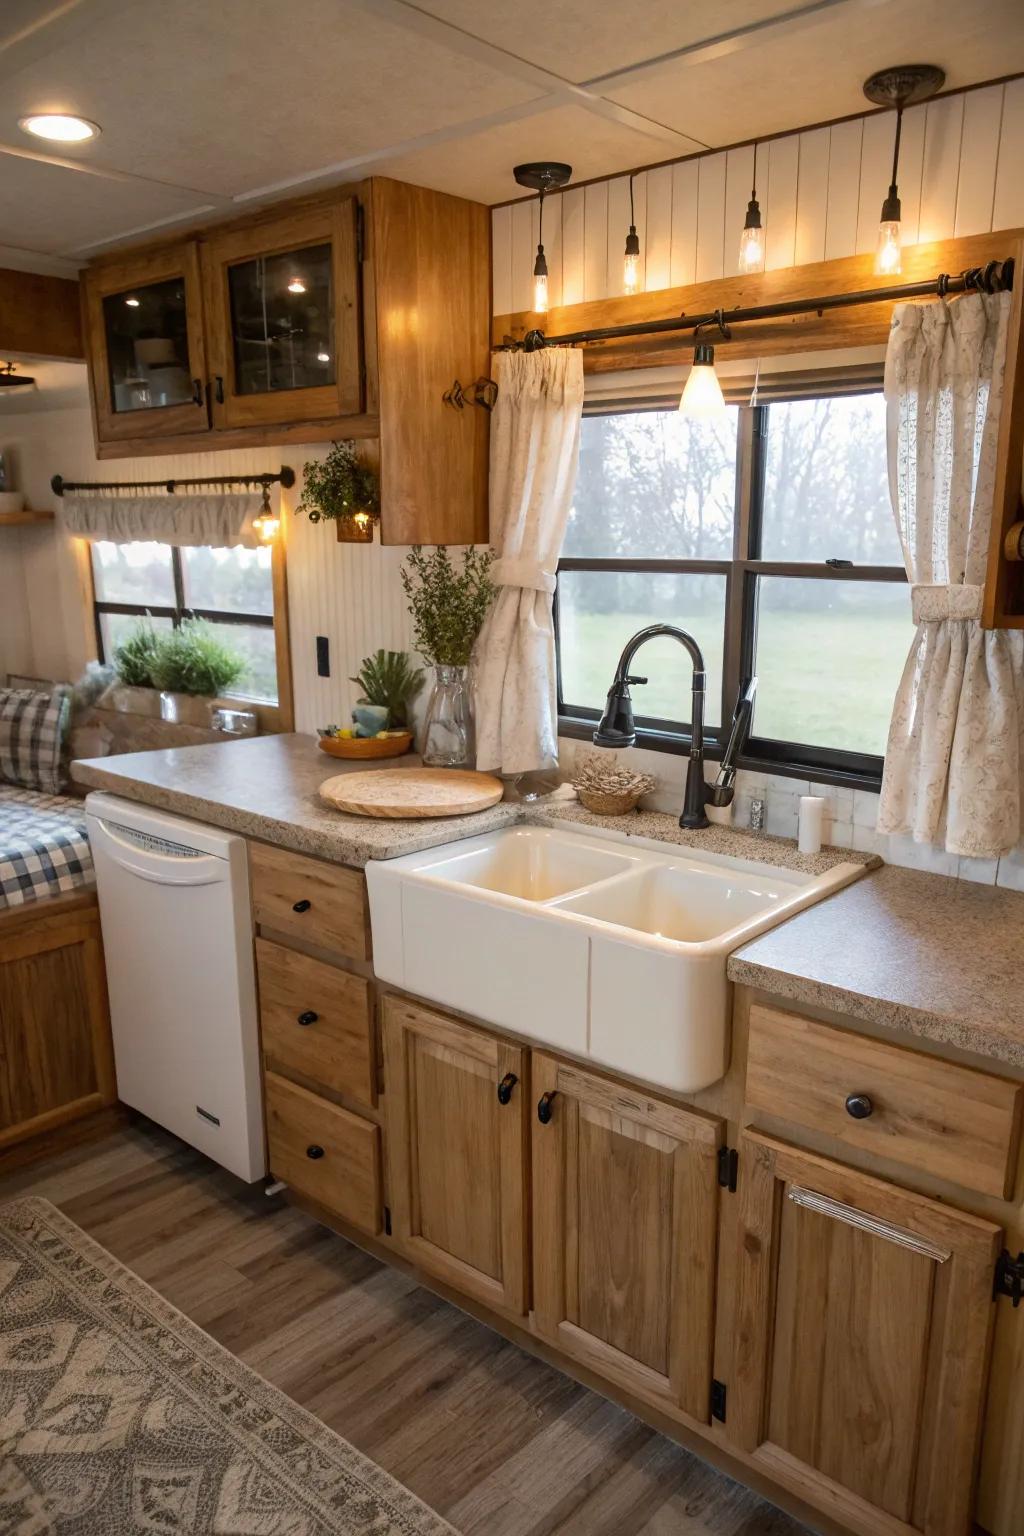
pixel 127 700
pixel 186 708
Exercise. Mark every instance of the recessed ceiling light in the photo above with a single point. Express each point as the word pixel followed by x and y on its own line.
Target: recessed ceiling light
pixel 61 127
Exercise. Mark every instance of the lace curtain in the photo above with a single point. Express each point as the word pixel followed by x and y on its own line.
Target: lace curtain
pixel 956 749
pixel 535 444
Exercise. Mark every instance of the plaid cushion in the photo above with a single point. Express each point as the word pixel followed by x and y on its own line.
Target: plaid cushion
pixel 43 847
pixel 32 729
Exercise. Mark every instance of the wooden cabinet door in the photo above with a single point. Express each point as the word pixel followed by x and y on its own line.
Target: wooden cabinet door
pixel 625 1224
pixel 282 307
pixel 861 1340
pixel 144 337
pixel 457 1152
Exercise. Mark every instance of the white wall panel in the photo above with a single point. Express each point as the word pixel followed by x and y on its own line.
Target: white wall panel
pixel 658 243
pixel 595 241
pixel 843 189
pixel 979 153
pixel 1008 208
pixel 780 230
pixel 941 173
pixel 501 261
pixel 572 246
pixel 812 196
pixel 875 171
pixel 524 250
pixel 684 223
pixel 710 217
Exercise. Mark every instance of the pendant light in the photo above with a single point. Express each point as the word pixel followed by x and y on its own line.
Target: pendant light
pixel 631 260
pixel 902 86
pixel 752 238
pixel 702 398
pixel 541 176
pixel 266 522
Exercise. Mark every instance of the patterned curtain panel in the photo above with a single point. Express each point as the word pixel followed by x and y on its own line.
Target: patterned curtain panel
pixel 220 522
pixel 956 744
pixel 535 449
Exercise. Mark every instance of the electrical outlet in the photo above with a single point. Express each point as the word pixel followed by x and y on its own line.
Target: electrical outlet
pixel 323 656
pixel 757 815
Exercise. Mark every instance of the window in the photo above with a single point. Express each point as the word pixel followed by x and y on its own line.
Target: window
pixel 769 536
pixel 233 589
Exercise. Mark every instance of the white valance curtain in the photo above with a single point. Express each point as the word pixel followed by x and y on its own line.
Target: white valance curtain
pixel 956 743
pixel 535 443
pixel 220 521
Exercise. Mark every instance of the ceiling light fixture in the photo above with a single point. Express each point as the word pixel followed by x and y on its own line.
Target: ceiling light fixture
pixel 702 398
pixel 542 176
pixel 902 86
pixel 132 302
pixel 10 380
pixel 631 260
pixel 59 127
pixel 752 238
pixel 296 285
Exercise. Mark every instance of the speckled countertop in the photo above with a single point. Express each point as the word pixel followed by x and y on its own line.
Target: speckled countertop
pixel 922 954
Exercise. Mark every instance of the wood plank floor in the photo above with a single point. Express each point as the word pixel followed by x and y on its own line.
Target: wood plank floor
pixel 498 1442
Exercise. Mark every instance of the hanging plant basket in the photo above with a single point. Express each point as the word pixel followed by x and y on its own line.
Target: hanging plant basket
pixel 342 490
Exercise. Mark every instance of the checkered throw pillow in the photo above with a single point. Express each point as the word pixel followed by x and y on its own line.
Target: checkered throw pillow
pixel 32 727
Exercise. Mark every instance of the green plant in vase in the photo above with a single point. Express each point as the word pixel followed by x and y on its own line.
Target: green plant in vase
pixel 134 657
pixel 389 679
pixel 339 488
pixel 193 659
pixel 448 608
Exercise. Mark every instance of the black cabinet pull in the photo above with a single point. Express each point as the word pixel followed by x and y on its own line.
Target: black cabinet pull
pixel 309 1017
pixel 505 1087
pixel 219 391
pixel 859 1106
pixel 302 906
pixel 197 391
pixel 544 1106
pixel 314 1152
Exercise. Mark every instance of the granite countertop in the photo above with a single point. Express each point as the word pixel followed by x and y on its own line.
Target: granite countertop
pixel 922 954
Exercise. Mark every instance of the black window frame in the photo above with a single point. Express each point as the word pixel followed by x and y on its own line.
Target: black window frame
pixel 176 612
pixel 742 572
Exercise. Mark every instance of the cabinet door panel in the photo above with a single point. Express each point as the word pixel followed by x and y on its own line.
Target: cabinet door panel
pixel 625 1201
pixel 862 1322
pixel 457 1154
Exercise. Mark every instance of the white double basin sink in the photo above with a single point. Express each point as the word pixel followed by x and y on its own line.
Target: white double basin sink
pixel 607 948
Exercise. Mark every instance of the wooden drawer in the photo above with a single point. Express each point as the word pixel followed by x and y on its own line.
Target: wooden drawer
pixel 324 1152
pixel 309 899
pixel 317 1020
pixel 937 1116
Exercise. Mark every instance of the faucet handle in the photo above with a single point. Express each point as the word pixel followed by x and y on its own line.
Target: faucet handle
pixel 634 679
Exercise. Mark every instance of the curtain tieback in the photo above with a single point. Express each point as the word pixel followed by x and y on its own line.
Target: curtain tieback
pixel 932 604
pixel 511 571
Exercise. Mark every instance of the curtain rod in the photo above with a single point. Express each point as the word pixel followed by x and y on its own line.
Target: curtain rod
pixel 285 475
pixel 996 277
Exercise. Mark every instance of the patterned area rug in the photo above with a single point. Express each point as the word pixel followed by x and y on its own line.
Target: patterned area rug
pixel 118 1416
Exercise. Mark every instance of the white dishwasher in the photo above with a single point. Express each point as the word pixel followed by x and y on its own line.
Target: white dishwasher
pixel 177 936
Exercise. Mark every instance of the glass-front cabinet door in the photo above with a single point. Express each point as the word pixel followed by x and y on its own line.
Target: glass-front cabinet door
pixel 146 349
pixel 282 300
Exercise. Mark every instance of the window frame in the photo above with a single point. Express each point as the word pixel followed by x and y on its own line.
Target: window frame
pixel 272 717
pixel 742 572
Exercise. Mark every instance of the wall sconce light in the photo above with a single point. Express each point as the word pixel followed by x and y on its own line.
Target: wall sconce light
pixel 702 398
pixel 752 238
pixel 266 522
pixel 902 86
pixel 631 259
pixel 541 176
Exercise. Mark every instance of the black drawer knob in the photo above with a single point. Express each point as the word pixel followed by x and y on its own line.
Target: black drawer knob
pixel 302 906
pixel 505 1087
pixel 309 1017
pixel 859 1106
pixel 314 1152
pixel 544 1106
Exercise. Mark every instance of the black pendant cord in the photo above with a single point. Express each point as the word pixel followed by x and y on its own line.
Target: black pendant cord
pixel 632 215
pixel 285 476
pixel 753 190
pixel 997 276
pixel 896 150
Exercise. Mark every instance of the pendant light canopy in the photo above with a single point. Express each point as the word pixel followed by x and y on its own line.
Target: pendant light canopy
pixel 542 176
pixel 902 86
pixel 702 398
pixel 752 238
pixel 631 260
pixel 11 380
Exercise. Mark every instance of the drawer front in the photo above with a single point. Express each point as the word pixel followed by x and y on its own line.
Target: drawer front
pixel 937 1116
pixel 324 1152
pixel 317 1020
pixel 308 899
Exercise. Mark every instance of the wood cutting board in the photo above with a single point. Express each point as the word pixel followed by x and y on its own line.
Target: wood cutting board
pixel 412 792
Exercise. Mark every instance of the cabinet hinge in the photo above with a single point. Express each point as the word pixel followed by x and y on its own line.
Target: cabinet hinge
pixel 718 1392
pixel 360 233
pixel 1009 1277
pixel 728 1164
pixel 387 1220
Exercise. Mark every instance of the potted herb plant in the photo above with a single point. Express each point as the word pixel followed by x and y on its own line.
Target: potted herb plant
pixel 339 488
pixel 191 667
pixel 448 607
pixel 133 690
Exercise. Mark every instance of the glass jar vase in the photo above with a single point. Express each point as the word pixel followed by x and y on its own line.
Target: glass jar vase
pixel 447 729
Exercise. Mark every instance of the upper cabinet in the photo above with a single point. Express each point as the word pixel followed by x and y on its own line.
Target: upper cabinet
pixel 145 345
pixel 346 315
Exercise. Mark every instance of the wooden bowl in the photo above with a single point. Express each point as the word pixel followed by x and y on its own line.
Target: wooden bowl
pixel 366 747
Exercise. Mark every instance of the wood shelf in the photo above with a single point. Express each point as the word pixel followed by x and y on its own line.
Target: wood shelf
pixel 24 518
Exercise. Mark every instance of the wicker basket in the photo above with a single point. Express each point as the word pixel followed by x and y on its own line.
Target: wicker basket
pixel 603 803
pixel 366 747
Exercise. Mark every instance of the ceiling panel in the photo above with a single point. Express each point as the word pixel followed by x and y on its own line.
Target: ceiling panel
pixel 481 168
pixel 20 16
pixel 236 95
pixel 47 208
pixel 580 39
pixel 817 73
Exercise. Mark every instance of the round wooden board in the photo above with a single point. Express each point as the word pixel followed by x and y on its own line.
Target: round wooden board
pixel 412 792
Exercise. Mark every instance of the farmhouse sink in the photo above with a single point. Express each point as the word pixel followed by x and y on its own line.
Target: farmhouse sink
pixel 604 947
